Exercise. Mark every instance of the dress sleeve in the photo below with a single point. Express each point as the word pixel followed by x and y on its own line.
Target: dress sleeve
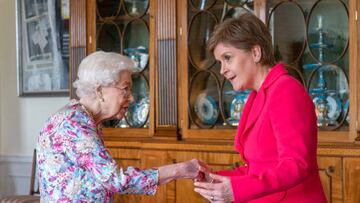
pixel 87 151
pixel 293 119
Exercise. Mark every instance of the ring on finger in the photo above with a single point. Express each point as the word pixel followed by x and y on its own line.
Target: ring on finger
pixel 212 198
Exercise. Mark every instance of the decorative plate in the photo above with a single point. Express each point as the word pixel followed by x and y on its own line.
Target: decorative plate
pixel 206 109
pixel 142 111
pixel 334 107
pixel 138 112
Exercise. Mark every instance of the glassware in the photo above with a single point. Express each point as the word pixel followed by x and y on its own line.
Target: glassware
pixel 237 105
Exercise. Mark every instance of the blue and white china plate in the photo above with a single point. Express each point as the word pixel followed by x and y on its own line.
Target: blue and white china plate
pixel 206 109
pixel 138 112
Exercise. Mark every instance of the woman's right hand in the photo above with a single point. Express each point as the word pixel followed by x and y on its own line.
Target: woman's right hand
pixel 218 190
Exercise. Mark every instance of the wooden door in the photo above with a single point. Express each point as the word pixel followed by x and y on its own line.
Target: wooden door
pixel 352 179
pixel 330 169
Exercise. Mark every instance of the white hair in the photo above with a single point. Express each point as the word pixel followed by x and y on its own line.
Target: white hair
pixel 100 69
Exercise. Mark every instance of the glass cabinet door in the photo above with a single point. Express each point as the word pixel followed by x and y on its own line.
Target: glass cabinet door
pixel 311 38
pixel 122 26
pixel 212 103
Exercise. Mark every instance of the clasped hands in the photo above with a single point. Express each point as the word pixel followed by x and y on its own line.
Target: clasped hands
pixel 215 188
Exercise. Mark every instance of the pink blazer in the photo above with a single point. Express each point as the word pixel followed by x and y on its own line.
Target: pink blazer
pixel 277 139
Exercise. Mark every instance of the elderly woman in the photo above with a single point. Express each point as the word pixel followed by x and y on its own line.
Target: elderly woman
pixel 73 163
pixel 277 133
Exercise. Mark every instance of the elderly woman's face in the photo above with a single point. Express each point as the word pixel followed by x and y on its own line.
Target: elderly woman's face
pixel 118 97
pixel 238 66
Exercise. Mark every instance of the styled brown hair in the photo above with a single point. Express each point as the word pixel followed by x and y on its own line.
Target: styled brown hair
pixel 244 32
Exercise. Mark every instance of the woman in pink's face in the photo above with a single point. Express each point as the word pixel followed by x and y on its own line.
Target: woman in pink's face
pixel 241 68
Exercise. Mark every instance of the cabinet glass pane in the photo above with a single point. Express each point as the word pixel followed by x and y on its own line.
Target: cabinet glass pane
pixel 328 33
pixel 202 4
pixel 136 43
pixel 204 99
pixel 289 40
pixel 136 8
pixel 233 103
pixel 328 86
pixel 138 112
pixel 123 27
pixel 107 8
pixel 200 29
pixel 109 38
pixel 212 102
pixel 235 12
pixel 237 2
pixel 322 63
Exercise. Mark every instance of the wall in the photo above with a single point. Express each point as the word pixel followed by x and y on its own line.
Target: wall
pixel 20 117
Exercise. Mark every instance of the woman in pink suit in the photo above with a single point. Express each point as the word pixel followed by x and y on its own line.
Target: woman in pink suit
pixel 277 133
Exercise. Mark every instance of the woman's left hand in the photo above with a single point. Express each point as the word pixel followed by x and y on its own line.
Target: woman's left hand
pixel 218 190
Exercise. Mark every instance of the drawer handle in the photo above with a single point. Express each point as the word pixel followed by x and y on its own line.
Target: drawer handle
pixel 330 169
pixel 358 136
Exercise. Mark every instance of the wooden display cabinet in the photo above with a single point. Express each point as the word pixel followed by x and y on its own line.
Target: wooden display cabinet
pixel 178 66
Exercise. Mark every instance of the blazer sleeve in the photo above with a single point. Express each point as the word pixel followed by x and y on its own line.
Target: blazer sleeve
pixel 293 120
pixel 239 171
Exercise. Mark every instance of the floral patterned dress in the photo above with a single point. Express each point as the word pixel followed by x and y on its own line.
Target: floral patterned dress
pixel 74 165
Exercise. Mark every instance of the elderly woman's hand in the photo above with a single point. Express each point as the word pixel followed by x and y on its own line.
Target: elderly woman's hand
pixel 193 169
pixel 217 190
pixel 188 169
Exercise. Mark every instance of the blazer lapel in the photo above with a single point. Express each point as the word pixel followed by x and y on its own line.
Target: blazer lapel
pixel 256 103
pixel 243 120
pixel 256 109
